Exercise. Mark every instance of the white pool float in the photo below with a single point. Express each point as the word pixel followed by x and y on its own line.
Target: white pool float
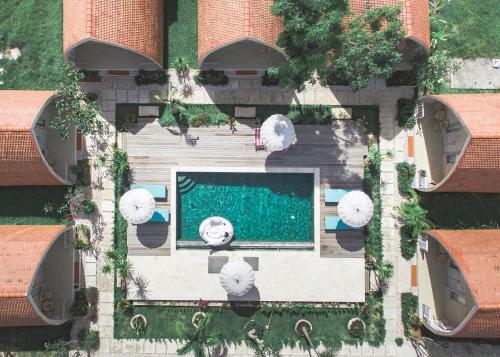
pixel 216 231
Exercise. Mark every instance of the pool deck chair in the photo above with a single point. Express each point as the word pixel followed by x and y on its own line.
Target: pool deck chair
pixel 161 215
pixel 334 223
pixel 158 191
pixel 333 195
pixel 259 144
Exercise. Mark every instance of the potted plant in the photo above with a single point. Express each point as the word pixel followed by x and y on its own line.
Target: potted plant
pixel 138 323
pixel 356 327
pixel 82 237
pixel 197 317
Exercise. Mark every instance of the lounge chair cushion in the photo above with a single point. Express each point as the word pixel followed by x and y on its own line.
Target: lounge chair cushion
pixel 333 195
pixel 334 223
pixel 161 215
pixel 158 191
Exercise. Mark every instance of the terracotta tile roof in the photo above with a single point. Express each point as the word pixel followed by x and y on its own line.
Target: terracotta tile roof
pixel 21 162
pixel 133 24
pixel 222 22
pixel 414 16
pixel 477 254
pixel 478 169
pixel 21 250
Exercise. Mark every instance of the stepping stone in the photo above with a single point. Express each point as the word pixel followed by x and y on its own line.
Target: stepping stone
pixel 245 112
pixel 149 111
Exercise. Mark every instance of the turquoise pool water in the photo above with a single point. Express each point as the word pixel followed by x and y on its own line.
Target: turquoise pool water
pixel 271 207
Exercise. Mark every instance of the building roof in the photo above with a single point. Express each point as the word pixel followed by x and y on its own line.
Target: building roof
pixel 477 254
pixel 414 16
pixel 22 249
pixel 136 25
pixel 21 162
pixel 478 168
pixel 222 22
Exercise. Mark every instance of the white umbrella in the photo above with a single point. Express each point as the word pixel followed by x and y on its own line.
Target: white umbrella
pixel 137 206
pixel 355 208
pixel 237 277
pixel 277 133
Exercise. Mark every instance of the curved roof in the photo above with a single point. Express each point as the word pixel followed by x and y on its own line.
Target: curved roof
pixel 22 249
pixel 414 16
pixel 21 162
pixel 477 254
pixel 222 22
pixel 478 168
pixel 136 25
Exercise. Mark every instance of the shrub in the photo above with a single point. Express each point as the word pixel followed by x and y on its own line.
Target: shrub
pixel 194 115
pixel 92 313
pixel 433 71
pixel 373 230
pixel 405 114
pixel 88 206
pixel 402 78
pixel 80 305
pixel 150 77
pixel 406 174
pixel 128 118
pixel 180 65
pixel 82 237
pixel 88 340
pixel 408 243
pixel 313 114
pixel 271 77
pixel 212 77
pixel 399 341
pixel 409 314
pixel 92 295
pixel 58 348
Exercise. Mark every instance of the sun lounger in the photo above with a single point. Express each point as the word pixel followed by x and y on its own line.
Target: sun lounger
pixel 259 145
pixel 333 195
pixel 161 215
pixel 334 223
pixel 158 191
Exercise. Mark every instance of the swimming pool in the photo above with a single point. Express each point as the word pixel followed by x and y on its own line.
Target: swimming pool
pixel 263 207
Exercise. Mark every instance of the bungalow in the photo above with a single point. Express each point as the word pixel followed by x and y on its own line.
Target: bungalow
pixel 36 275
pixel 114 34
pixel 457 144
pixel 31 152
pixel 457 277
pixel 236 35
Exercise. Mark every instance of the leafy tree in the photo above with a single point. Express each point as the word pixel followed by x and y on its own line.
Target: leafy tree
pixel 200 340
pixel 73 107
pixel 433 72
pixel 310 30
pixel 369 46
pixel 317 41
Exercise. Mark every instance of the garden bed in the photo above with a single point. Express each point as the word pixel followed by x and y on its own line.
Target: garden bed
pixel 25 204
pixel 329 323
pixel 40 65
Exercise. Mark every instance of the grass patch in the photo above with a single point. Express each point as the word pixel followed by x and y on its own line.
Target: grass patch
pixel 31 338
pixel 24 204
pixel 473 28
pixel 35 26
pixel 181 32
pixel 462 210
pixel 329 323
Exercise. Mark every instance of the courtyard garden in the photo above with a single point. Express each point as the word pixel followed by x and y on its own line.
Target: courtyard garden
pixel 40 43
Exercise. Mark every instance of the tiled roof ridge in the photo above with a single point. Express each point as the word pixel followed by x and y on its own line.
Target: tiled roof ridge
pixel 247 18
pixel 88 20
pixel 13 294
pixel 11 129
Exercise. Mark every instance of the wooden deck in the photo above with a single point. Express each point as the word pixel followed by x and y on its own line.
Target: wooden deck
pixel 338 151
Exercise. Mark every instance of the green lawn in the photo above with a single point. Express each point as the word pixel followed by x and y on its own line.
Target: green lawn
pixel 473 28
pixel 329 326
pixel 462 210
pixel 24 204
pixel 181 31
pixel 35 26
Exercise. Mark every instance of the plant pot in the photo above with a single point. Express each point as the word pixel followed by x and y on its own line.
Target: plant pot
pixel 136 317
pixel 356 327
pixel 197 317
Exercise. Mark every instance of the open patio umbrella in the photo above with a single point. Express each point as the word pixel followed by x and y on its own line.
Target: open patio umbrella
pixel 137 206
pixel 237 277
pixel 277 133
pixel 355 208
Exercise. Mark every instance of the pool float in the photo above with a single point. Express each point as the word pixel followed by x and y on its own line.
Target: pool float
pixel 216 231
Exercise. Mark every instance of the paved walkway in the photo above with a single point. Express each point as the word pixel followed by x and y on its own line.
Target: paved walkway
pixel 113 90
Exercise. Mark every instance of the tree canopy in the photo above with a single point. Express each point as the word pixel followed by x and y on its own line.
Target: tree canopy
pixel 318 40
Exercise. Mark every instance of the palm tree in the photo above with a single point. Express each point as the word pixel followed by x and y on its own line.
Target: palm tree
pixel 200 340
pixel 414 217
